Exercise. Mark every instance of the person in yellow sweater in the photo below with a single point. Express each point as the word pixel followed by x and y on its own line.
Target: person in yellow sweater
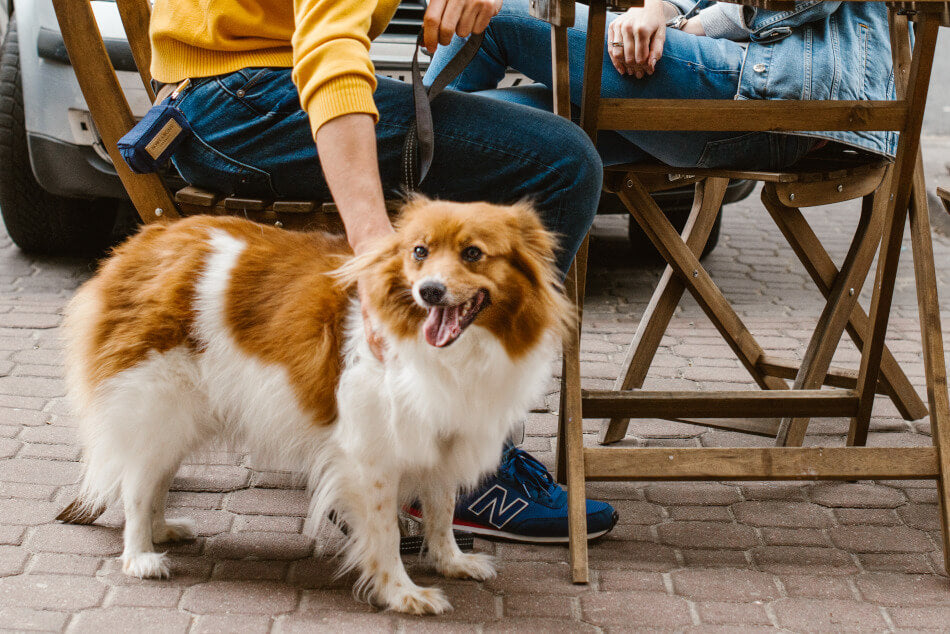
pixel 284 103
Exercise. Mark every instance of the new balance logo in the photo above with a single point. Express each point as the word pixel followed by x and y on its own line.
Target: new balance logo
pixel 495 502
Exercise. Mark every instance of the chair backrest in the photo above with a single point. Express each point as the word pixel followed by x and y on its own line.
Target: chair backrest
pixel 107 104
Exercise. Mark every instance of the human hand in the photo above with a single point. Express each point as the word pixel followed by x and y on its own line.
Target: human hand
pixel 445 18
pixel 635 39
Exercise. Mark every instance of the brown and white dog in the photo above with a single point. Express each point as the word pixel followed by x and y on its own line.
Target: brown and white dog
pixel 219 328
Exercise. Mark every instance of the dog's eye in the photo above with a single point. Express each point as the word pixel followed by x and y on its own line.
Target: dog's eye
pixel 420 253
pixel 472 254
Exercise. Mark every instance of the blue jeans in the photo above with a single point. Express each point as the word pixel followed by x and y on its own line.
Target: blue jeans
pixel 691 67
pixel 253 139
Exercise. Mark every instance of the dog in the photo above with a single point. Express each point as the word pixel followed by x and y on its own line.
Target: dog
pixel 220 328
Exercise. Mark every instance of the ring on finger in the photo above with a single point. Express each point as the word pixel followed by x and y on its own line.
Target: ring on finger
pixel 620 44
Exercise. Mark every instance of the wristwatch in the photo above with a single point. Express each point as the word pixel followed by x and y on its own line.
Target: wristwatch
pixel 677 22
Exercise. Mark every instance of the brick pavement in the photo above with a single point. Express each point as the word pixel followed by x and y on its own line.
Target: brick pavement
pixel 685 556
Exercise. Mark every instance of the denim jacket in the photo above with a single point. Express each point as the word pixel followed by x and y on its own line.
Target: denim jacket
pixel 818 50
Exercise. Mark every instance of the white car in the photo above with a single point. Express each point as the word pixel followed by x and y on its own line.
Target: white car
pixel 59 193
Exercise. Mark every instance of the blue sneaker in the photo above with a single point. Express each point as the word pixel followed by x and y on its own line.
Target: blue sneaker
pixel 522 502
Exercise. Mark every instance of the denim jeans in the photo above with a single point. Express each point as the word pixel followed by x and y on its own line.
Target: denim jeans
pixel 253 139
pixel 691 68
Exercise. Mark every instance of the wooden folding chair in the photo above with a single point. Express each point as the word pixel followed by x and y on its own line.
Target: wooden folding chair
pixel 881 215
pixel 113 117
pixel 944 196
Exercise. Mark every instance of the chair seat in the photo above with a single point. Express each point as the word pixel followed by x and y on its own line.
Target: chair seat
pixel 833 162
pixel 291 214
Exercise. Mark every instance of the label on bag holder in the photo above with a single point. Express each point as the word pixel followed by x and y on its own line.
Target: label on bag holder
pixel 147 147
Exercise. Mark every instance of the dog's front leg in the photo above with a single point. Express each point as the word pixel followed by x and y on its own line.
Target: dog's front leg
pixel 438 507
pixel 374 547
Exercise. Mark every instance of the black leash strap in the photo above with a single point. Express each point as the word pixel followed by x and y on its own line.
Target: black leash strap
pixel 420 140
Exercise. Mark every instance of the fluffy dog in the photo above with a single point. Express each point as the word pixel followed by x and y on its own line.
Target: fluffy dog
pixel 216 327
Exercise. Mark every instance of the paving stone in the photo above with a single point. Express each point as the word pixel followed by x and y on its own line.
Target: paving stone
pixel 27 619
pixel 540 606
pixel 828 614
pixel 11 535
pixel 803 559
pixel 856 495
pixel 534 577
pixel 50 592
pixel 744 614
pixel 210 478
pixel 246 570
pixel 635 555
pixel 137 619
pixel 228 624
pixel 152 596
pixel 903 590
pixel 19 416
pixel 539 625
pixel 783 514
pixel 79 540
pixel 691 493
pixel 267 523
pixel 626 580
pixel 816 586
pixel 880 539
pixel 907 563
pixel 930 618
pixel 632 610
pixel 334 622
pixel 881 517
pixel 724 585
pixel 26 491
pixel 795 537
pixel 790 491
pixel 262 546
pixel 195 499
pixel 269 502
pixel 701 514
pixel 239 597
pixel 635 512
pixel 31 471
pixel 923 516
pixel 707 535
pixel 60 564
pixel 714 558
pixel 12 560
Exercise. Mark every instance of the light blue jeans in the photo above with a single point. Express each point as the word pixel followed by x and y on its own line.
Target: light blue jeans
pixel 691 67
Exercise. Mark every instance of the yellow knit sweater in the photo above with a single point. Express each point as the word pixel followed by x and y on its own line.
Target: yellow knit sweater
pixel 328 48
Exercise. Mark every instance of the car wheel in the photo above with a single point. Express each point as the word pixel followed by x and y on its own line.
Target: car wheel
pixel 37 221
pixel 643 249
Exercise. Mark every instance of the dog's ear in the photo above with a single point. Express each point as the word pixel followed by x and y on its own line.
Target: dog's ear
pixel 382 250
pixel 535 246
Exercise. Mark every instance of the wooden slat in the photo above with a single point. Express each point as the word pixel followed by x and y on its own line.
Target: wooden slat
pixel 707 200
pixel 593 67
pixel 837 376
pixel 746 115
pixel 294 206
pixel 761 463
pixel 135 16
pixel 738 403
pixel 235 203
pixel 827 192
pixel 944 195
pixel 107 104
pixel 554 12
pixel 192 195
pixel 765 427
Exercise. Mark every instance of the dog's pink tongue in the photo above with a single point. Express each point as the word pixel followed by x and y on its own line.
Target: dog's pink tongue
pixel 442 326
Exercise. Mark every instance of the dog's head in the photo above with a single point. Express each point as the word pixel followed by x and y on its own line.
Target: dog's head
pixel 449 266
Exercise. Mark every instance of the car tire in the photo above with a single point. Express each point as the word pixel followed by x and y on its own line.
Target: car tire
pixel 37 221
pixel 643 249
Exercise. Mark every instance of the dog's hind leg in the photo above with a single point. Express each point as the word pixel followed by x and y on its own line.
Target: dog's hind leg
pixel 370 501
pixel 438 506
pixel 164 529
pixel 140 489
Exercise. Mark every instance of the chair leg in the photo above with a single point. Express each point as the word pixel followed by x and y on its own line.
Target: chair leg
pixel 935 366
pixel 823 272
pixel 687 267
pixel 656 318
pixel 570 449
pixel 575 285
pixel 841 301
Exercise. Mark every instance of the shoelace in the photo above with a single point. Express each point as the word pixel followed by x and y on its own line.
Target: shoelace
pixel 525 469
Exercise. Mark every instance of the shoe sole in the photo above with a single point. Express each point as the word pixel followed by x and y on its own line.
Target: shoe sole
pixel 514 537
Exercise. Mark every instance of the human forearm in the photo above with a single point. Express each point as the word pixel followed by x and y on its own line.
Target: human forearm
pixel 347 149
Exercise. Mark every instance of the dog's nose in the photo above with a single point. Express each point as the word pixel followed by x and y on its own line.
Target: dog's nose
pixel 432 292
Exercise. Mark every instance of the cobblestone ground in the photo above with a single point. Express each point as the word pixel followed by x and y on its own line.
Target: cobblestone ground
pixel 685 556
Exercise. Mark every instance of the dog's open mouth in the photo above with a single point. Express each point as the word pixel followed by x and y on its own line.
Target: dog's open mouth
pixel 446 323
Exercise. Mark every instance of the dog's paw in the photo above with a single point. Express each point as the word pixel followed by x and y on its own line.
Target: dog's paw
pixel 146 565
pixel 477 566
pixel 176 530
pixel 419 600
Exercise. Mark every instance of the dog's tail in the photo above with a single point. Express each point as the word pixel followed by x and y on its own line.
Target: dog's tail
pixel 79 512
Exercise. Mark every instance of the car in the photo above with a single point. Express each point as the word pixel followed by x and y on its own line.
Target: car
pixel 59 192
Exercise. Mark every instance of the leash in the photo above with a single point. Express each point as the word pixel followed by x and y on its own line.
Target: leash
pixel 420 140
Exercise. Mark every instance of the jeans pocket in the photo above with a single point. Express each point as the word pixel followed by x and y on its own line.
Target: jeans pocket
pixel 264 91
pixel 203 166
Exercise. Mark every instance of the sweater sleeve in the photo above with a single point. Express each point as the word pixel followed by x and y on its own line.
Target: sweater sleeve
pixel 332 68
pixel 724 20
